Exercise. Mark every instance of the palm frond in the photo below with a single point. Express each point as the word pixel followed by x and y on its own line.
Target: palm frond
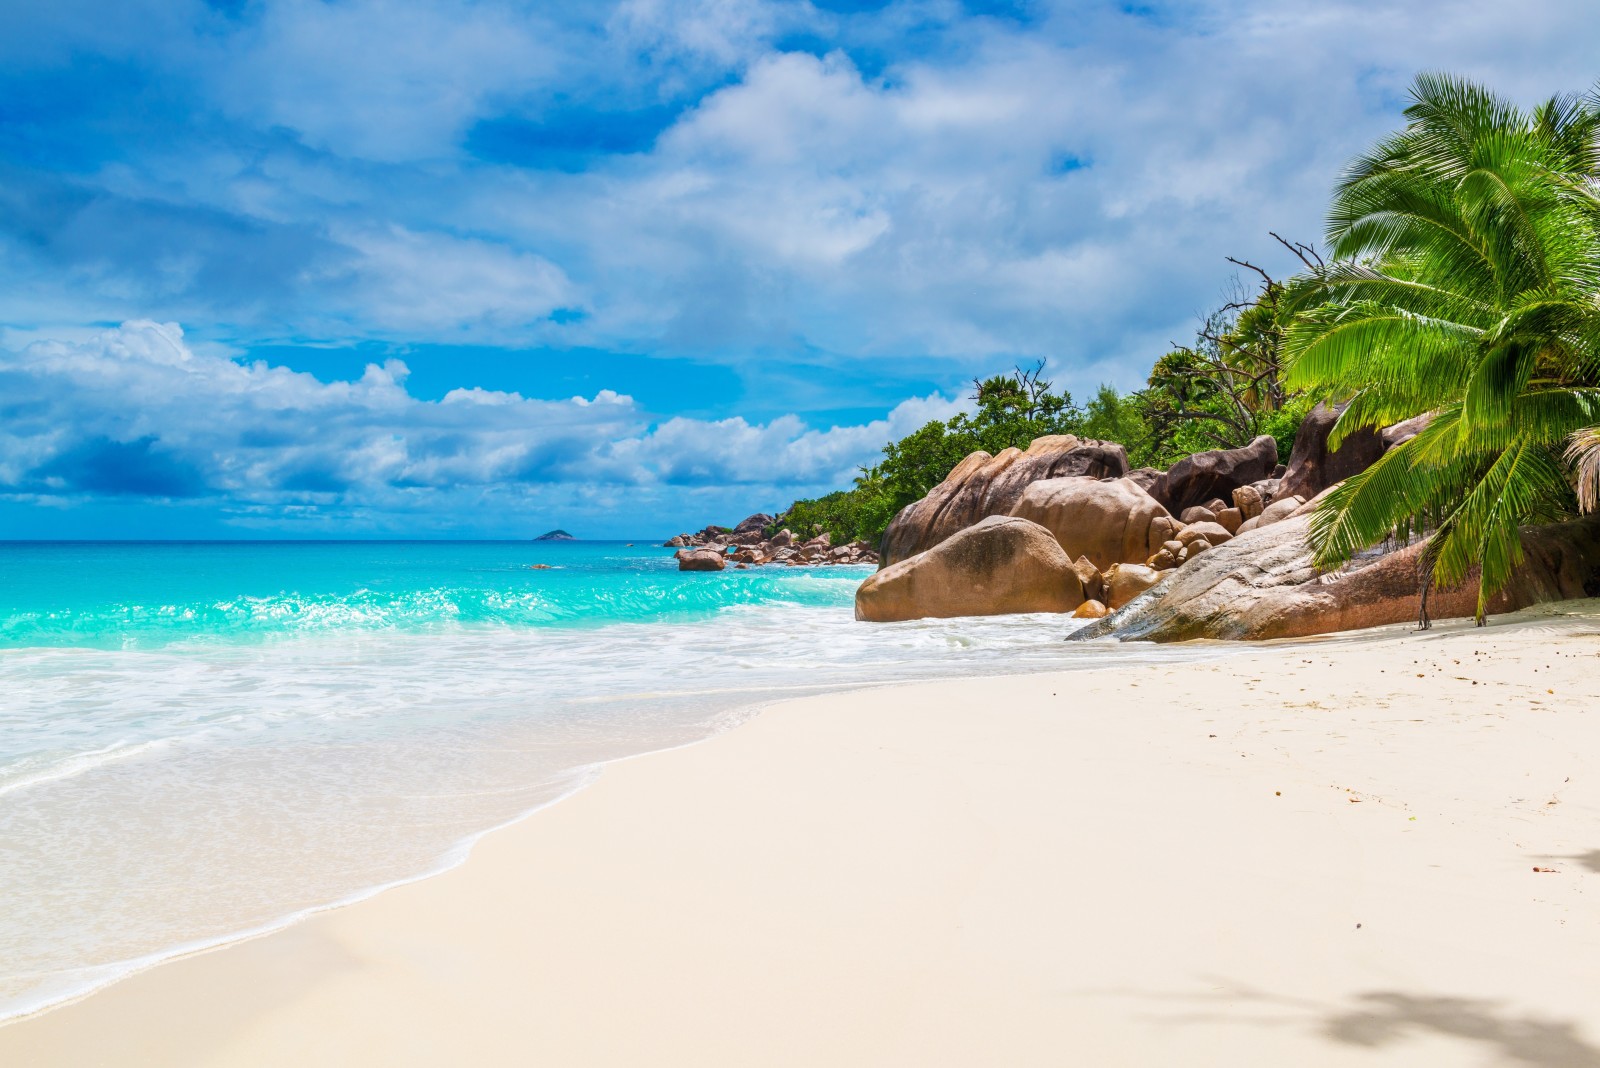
pixel 1583 453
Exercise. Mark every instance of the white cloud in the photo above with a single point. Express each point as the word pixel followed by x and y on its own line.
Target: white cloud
pixel 136 412
pixel 384 79
pixel 946 192
pixel 1045 190
pixel 439 286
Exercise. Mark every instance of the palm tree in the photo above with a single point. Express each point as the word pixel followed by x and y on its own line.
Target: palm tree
pixel 1465 282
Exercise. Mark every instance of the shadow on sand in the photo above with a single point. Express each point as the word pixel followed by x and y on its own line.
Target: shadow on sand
pixel 1382 1018
pixel 1590 860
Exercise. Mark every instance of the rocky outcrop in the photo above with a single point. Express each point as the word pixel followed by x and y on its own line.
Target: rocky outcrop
pixel 1263 585
pixel 1206 475
pixel 751 547
pixel 1313 466
pixel 755 524
pixel 1111 522
pixel 712 535
pixel 984 485
pixel 701 560
pixel 998 566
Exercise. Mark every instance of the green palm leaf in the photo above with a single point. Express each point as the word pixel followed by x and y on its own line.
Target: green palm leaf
pixel 1466 283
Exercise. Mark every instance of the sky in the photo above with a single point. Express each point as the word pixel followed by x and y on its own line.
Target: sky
pixel 481 268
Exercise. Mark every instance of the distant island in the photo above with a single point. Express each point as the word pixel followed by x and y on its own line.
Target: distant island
pixel 556 535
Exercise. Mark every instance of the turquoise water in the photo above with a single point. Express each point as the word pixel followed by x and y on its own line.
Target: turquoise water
pixel 203 740
pixel 151 594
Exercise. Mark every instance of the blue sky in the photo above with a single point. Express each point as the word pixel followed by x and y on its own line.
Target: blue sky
pixel 328 268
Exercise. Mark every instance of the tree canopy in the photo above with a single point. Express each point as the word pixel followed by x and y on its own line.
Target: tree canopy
pixel 1465 283
pixel 1462 283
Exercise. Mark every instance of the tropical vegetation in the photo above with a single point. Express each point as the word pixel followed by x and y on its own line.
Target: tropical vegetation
pixel 1465 282
pixel 1462 283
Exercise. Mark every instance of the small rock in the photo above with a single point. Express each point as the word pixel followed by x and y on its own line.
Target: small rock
pixel 1090 610
pixel 1249 501
pixel 1213 533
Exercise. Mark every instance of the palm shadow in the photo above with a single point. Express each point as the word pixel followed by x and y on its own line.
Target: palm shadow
pixel 1590 860
pixel 1384 1017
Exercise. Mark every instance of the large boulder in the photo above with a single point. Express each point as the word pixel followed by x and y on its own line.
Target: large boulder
pixel 756 523
pixel 998 566
pixel 1109 522
pixel 1313 467
pixel 701 560
pixel 1263 585
pixel 1197 479
pixel 1145 477
pixel 984 485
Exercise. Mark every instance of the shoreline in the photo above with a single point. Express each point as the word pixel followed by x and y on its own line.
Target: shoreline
pixel 449 955
pixel 458 853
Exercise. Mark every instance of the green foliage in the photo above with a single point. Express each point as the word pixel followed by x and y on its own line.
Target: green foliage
pixel 845 514
pixel 1227 388
pixel 1220 393
pixel 1119 417
pixel 1011 410
pixel 1284 423
pixel 1465 283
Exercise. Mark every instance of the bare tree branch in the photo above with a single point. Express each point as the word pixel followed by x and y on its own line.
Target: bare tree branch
pixel 1265 277
pixel 1303 252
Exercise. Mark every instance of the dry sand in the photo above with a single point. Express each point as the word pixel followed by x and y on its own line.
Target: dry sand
pixel 1323 854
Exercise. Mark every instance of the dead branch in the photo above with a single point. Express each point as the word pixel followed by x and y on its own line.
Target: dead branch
pixel 1303 252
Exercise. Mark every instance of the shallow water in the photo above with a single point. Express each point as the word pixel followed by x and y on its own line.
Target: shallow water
pixel 199 741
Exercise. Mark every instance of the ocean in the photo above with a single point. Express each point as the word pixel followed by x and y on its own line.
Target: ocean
pixel 200 741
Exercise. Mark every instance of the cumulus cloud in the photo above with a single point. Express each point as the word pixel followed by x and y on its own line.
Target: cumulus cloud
pixel 1053 189
pixel 382 79
pixel 136 412
pixel 901 180
pixel 437 285
pixel 814 194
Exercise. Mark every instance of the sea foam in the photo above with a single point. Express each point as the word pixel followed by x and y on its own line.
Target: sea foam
pixel 231 738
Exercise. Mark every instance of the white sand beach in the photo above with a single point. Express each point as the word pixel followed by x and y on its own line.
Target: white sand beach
pixel 1348 852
